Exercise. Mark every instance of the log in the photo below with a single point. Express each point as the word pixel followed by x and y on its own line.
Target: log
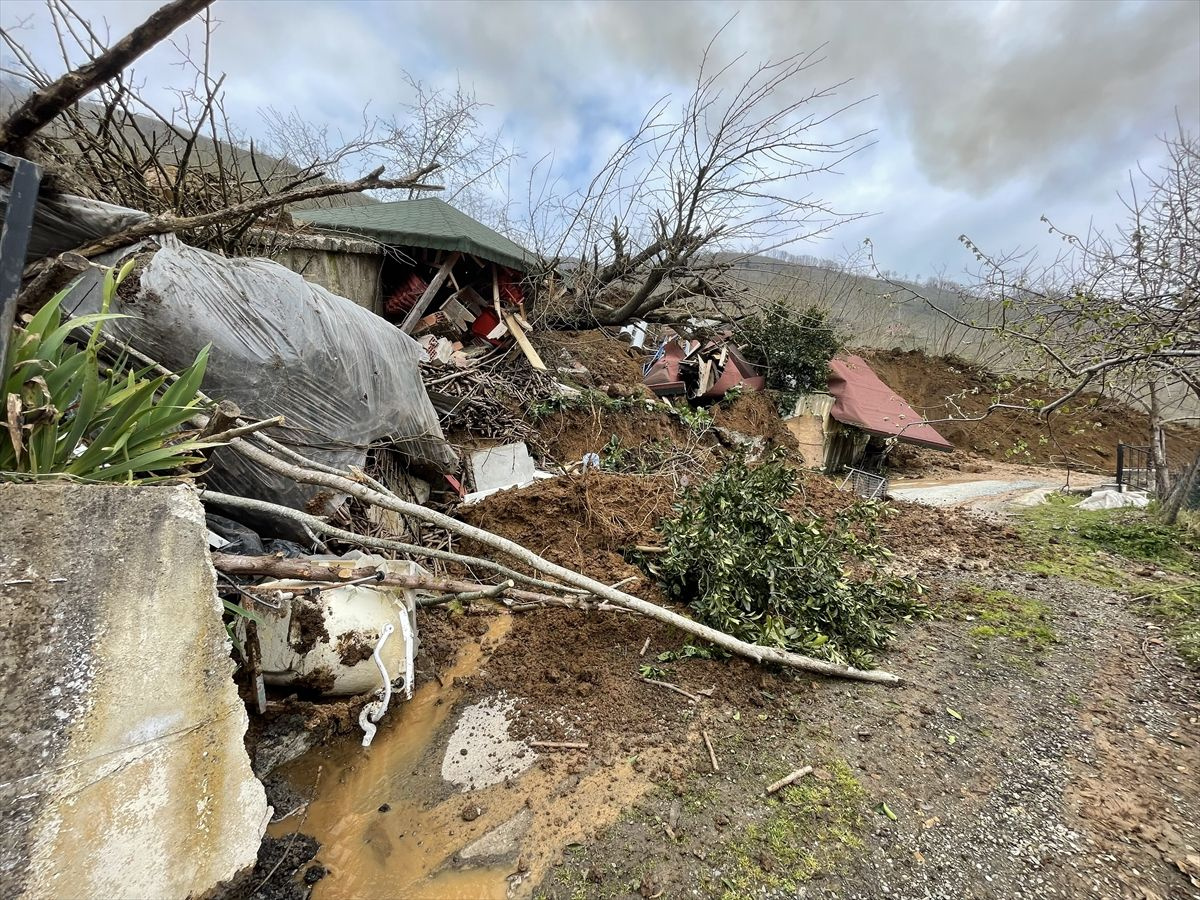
pixel 558 745
pixel 788 779
pixel 754 652
pixel 302 569
pixel 44 104
pixel 320 526
pixel 429 293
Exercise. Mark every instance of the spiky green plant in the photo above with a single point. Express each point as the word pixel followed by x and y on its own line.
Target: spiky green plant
pixel 68 415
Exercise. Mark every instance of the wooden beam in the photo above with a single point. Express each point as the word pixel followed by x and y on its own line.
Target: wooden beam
pixel 523 342
pixel 418 310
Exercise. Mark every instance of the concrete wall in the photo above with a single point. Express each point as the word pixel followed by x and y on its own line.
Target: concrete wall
pixel 810 425
pixel 122 768
pixel 348 268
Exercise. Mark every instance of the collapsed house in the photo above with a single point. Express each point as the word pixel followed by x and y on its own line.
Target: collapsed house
pixel 443 277
pixel 700 369
pixel 856 423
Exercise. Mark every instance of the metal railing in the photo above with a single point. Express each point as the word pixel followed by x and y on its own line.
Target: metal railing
pixel 865 484
pixel 1134 472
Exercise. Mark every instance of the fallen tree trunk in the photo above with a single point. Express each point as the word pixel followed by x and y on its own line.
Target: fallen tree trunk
pixel 516 551
pixel 300 569
pixel 45 103
pixel 320 526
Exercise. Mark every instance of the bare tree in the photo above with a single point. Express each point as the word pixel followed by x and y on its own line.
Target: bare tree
pixel 660 225
pixel 1117 311
pixel 187 165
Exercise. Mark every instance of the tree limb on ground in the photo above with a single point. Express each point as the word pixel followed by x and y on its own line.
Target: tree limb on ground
pixel 755 652
pixel 43 105
pixel 320 526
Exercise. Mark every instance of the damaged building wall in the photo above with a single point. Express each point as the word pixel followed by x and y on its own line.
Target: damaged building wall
pixel 347 268
pixel 122 767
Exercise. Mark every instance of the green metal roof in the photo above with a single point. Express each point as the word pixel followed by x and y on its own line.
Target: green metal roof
pixel 425 222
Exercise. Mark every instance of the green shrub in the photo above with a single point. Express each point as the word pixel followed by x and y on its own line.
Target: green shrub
pixel 792 346
pixel 747 567
pixel 66 415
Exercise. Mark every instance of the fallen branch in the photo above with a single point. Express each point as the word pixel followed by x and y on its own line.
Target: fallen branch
pixel 301 569
pixel 167 223
pixel 262 507
pixel 673 687
pixel 712 755
pixel 788 779
pixel 756 652
pixel 558 745
pixel 243 430
pixel 645 647
pixel 45 103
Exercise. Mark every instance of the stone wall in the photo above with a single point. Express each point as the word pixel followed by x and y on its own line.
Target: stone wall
pixel 122 768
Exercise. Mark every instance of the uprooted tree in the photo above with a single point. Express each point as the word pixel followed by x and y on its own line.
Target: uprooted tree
pixel 657 230
pixel 1117 312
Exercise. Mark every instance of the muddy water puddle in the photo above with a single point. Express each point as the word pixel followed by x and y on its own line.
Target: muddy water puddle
pixel 445 803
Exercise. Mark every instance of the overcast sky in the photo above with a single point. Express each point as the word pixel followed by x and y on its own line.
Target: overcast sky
pixel 985 114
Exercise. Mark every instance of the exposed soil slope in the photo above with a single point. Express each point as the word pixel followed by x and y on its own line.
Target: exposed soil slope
pixel 1084 434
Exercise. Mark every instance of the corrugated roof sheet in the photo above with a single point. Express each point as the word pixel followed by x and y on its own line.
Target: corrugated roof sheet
pixel 424 222
pixel 861 399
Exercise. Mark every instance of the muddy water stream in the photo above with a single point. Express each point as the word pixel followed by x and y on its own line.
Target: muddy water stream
pixel 438 839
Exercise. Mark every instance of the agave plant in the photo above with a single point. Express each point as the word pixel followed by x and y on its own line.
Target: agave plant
pixel 68 415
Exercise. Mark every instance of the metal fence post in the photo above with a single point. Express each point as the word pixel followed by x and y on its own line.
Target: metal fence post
pixel 14 241
pixel 1120 468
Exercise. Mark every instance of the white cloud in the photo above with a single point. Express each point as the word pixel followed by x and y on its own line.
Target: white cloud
pixel 987 114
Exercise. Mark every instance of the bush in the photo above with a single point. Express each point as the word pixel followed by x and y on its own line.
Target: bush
pixel 792 346
pixel 747 567
pixel 65 415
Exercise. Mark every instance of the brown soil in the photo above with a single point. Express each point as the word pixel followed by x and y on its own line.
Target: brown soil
pixel 571 434
pixel 754 413
pixel 608 360
pixel 581 521
pixel 1083 434
pixel 308 625
pixel 919 533
pixel 353 648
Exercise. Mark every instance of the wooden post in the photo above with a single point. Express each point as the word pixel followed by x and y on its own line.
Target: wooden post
pixel 418 310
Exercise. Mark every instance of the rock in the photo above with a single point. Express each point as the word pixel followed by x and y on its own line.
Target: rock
pixel 471 812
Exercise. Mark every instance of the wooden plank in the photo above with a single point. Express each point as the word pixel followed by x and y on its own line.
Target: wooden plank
pixel 523 343
pixel 419 307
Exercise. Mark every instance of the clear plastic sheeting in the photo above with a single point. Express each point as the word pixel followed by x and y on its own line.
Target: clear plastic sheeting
pixel 64 222
pixel 1110 499
pixel 343 377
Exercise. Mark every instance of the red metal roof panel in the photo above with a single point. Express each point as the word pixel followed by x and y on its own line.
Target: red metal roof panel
pixel 861 399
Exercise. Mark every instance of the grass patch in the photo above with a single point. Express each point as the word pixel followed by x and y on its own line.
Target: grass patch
pixel 1003 614
pixel 812 827
pixel 1179 607
pixel 1112 549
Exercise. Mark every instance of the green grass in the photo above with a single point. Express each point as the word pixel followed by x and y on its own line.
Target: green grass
pixel 812 827
pixel 1003 614
pixel 1111 548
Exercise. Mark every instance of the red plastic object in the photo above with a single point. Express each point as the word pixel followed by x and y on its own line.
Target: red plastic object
pixel 403 298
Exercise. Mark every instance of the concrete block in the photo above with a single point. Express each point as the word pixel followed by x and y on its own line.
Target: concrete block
pixel 122 768
pixel 502 467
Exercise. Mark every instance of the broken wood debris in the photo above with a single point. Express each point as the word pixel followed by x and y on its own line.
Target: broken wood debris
pixel 788 779
pixel 558 745
pixel 673 687
pixel 712 754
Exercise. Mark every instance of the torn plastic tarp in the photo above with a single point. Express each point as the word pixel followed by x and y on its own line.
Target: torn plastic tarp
pixel 343 377
pixel 64 222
